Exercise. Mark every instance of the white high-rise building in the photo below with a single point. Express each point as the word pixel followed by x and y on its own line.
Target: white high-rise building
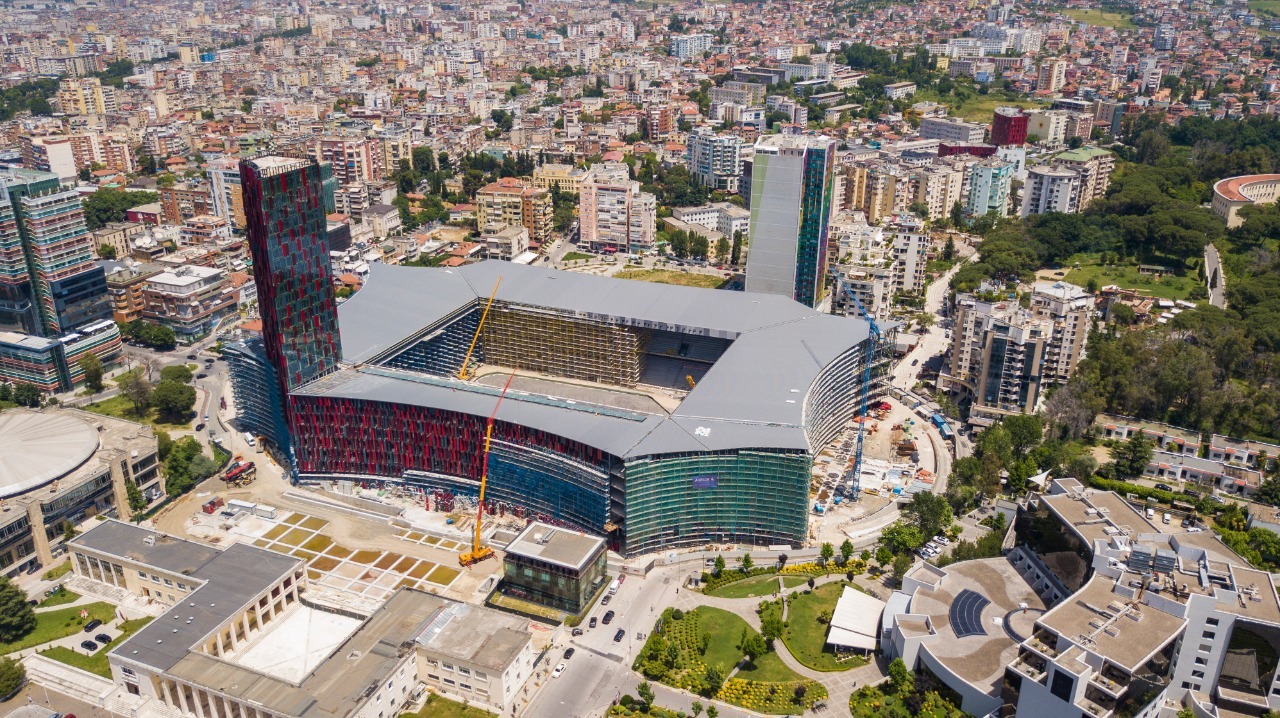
pixel 614 214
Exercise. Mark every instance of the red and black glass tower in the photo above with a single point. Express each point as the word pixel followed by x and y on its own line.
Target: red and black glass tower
pixel 284 213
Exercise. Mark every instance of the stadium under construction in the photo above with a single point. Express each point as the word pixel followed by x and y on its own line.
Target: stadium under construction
pixel 656 416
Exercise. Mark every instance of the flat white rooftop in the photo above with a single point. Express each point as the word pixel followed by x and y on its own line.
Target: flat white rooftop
pixel 293 645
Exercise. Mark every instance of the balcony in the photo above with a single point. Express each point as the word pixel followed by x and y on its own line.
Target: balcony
pixel 1039 643
pixel 1108 686
pixel 1029 667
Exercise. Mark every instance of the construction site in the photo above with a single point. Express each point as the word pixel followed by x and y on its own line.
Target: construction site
pixel 655 417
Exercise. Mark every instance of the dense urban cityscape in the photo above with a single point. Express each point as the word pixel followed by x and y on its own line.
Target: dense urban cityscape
pixel 448 360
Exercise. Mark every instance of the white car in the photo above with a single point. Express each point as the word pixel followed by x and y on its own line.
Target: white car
pixel 942 540
pixel 559 669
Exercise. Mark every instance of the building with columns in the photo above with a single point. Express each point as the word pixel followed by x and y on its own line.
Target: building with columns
pixel 214 652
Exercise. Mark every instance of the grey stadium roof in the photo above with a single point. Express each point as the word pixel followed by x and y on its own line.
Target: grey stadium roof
pixel 753 396
pixel 38 448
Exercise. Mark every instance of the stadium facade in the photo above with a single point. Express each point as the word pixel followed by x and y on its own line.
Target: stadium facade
pixel 655 416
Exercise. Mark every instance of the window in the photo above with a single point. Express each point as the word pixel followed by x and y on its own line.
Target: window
pixel 1200 661
pixel 480 676
pixel 450 682
pixel 126 670
pixel 167 582
pixel 155 578
pixel 464 670
pixel 1206 648
pixel 1209 635
pixel 1186 685
pixel 432 662
pixel 447 666
pixel 464 686
pixel 433 676
pixel 142 574
pixel 1197 674
pixel 182 586
pixel 1211 622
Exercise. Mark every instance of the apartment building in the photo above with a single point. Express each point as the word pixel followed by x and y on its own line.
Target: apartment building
pixel 990 184
pixel 181 202
pixel 939 188
pixel 224 187
pixel 117 236
pixel 723 217
pixel 354 159
pixel 1052 76
pixel 204 230
pixel 67 155
pixel 715 160
pixel 1167 438
pixel 614 214
pixel 950 129
pixel 189 300
pixel 512 202
pixel 1094 166
pixel 1048 126
pixel 1003 356
pixel 564 178
pixel 1051 188
pixel 1008 126
pixel 86 96
pixel 685 47
pixel 125 284
pixel 909 244
pixel 747 94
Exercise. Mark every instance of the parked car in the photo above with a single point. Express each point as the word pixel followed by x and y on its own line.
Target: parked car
pixel 608 618
pixel 92 625
pixel 940 539
pixel 592 622
pixel 199 427
pixel 605 601
pixel 202 376
pixel 559 669
pixel 577 631
pixel 191 356
pixel 1164 487
pixel 102 638
pixel 89 646
pixel 568 652
pixel 617 637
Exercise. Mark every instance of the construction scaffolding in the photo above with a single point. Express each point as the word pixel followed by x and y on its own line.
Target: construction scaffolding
pixel 545 341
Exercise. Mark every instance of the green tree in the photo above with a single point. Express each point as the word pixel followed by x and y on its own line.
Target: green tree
pixel 827 552
pixel 846 552
pixel 747 563
pixel 27 395
pixel 106 251
pixel 1025 431
pixel 180 373
pixel 900 678
pixel 173 400
pixel 138 390
pixel 137 501
pixel 645 691
pixel 714 681
pixel 722 249
pixel 771 627
pixel 753 645
pixel 719 564
pixel 12 675
pixel 901 537
pixel 928 512
pixel 91 367
pixel 901 564
pixel 69 531
pixel 696 708
pixel 712 711
pixel 17 619
pixel 109 205
pixel 1132 456
pixel 735 251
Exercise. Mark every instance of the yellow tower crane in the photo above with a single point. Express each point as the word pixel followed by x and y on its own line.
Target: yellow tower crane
pixel 479 553
pixel 463 371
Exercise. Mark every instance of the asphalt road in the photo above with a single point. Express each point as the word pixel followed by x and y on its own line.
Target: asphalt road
pixel 1212 266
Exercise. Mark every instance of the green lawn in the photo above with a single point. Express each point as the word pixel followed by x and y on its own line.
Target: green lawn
pixel 982 107
pixel 1128 277
pixel 806 636
pixel 575 256
pixel 440 707
pixel 1102 18
pixel 726 633
pixel 667 276
pixel 1265 7
pixel 121 408
pixel 768 668
pixel 58 571
pixel 53 625
pixel 96 663
pixel 60 598
pixel 755 586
